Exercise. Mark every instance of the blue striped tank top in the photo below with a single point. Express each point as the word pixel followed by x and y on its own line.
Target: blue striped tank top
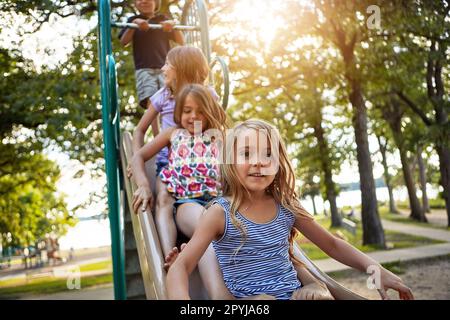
pixel 262 265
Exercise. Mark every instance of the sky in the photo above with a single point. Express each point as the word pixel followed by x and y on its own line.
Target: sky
pixel 87 233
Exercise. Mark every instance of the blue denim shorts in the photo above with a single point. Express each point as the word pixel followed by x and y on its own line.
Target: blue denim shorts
pixel 203 201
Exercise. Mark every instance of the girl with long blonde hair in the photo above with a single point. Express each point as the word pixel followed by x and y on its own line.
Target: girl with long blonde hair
pixel 252 226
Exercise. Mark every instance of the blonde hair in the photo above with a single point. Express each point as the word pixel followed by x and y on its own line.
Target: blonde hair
pixel 216 117
pixel 190 66
pixel 282 189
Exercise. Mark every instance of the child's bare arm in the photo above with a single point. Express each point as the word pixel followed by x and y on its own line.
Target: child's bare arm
pixel 332 246
pixel 139 132
pixel 312 288
pixel 143 193
pixel 304 275
pixel 168 27
pixel 345 253
pixel 127 37
pixel 210 227
pixel 178 36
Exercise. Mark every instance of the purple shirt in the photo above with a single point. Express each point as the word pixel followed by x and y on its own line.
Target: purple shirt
pixel 164 104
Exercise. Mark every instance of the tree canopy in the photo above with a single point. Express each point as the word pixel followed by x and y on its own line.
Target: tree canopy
pixel 313 73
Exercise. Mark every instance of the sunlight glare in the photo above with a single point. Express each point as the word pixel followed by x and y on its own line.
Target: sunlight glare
pixel 259 16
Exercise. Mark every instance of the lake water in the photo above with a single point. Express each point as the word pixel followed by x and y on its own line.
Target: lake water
pixel 94 233
pixel 353 198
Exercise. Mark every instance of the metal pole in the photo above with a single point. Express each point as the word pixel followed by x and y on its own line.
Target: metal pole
pixel 203 16
pixel 110 121
pixel 152 26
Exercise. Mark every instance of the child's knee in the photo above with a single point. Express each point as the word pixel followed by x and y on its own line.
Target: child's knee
pixel 164 199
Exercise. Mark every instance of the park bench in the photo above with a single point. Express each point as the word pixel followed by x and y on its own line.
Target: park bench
pixel 349 225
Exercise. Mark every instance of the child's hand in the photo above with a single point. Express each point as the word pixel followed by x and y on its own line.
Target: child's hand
pixel 129 171
pixel 142 195
pixel 391 281
pixel 142 24
pixel 167 25
pixel 312 291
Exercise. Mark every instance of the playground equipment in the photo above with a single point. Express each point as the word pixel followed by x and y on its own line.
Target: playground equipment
pixel 118 153
pixel 195 25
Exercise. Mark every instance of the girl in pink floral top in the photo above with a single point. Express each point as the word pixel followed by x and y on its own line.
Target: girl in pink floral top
pixel 192 174
pixel 193 167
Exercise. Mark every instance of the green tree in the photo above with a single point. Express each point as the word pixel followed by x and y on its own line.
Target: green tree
pixel 340 23
pixel 29 205
pixel 424 32
pixel 393 112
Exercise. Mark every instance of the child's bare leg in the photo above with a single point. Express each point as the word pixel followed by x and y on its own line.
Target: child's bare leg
pixel 164 221
pixel 187 217
pixel 212 276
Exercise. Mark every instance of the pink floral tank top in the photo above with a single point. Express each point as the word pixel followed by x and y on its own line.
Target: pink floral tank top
pixel 193 169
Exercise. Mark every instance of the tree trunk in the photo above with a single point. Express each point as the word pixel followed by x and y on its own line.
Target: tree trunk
pixel 444 165
pixel 373 232
pixel 336 219
pixel 417 212
pixel 372 229
pixel 314 205
pixel 393 114
pixel 422 180
pixel 436 90
pixel 387 176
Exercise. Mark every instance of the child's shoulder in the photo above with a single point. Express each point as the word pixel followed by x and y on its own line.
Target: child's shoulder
pixel 163 91
pixel 223 202
pixel 161 95
pixel 216 205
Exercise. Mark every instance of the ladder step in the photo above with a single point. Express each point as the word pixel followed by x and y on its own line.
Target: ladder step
pixel 132 265
pixel 135 287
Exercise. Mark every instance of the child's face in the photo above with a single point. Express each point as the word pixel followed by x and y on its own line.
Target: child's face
pixel 254 160
pixel 170 75
pixel 146 7
pixel 192 113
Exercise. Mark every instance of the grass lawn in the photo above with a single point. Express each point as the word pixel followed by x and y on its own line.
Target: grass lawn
pixel 107 264
pixel 433 203
pixel 394 240
pixel 50 284
pixel 47 286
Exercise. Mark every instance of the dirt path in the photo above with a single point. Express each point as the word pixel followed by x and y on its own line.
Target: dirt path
pixel 428 279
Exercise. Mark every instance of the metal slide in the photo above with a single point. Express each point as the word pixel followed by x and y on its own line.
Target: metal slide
pixel 138 232
pixel 150 254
